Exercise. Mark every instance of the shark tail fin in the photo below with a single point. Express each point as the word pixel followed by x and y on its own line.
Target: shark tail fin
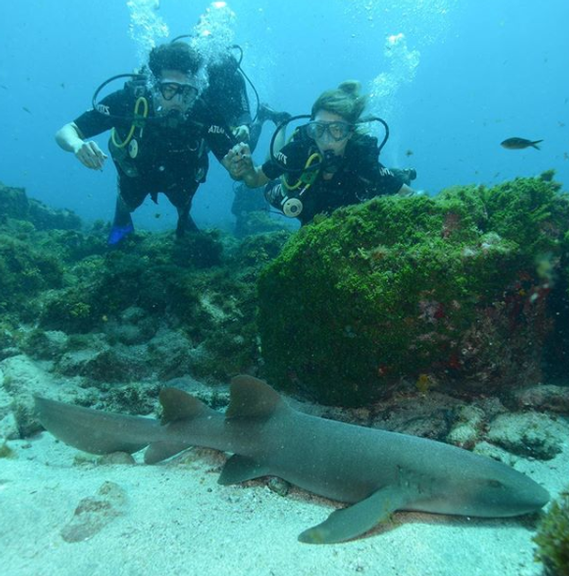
pixel 95 431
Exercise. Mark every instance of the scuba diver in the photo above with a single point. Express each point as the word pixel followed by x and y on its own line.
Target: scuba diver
pixel 227 95
pixel 328 163
pixel 161 131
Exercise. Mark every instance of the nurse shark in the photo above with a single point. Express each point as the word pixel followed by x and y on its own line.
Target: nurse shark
pixel 374 471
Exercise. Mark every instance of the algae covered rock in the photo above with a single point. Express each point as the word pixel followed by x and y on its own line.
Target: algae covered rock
pixel 454 287
pixel 528 434
pixel 14 203
pixel 162 309
pixel 552 538
pixel 25 272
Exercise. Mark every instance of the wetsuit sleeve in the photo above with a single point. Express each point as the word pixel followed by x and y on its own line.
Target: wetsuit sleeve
pixel 292 155
pixel 374 177
pixel 385 182
pixel 219 139
pixel 104 117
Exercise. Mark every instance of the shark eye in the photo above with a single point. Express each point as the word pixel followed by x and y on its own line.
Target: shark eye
pixel 495 484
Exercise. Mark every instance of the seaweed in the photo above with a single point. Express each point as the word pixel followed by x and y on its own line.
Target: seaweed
pixel 455 287
pixel 552 538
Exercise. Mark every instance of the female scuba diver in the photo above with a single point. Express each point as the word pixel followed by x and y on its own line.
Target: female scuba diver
pixel 328 163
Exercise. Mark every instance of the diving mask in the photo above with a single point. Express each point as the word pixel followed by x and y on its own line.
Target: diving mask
pixel 170 89
pixel 337 131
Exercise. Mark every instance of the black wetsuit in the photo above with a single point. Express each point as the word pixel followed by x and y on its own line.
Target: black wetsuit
pixel 359 177
pixel 159 158
pixel 227 92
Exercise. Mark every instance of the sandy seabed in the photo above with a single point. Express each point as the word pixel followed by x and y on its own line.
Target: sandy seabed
pixel 176 520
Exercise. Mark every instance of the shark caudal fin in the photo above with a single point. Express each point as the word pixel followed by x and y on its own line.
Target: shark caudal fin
pixel 177 406
pixel 95 431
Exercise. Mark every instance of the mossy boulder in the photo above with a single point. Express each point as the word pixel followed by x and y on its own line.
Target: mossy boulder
pixel 15 204
pixel 453 288
pixel 552 538
pixel 202 288
pixel 25 272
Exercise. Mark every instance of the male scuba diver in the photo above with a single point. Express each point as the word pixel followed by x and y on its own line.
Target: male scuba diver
pixel 328 163
pixel 161 131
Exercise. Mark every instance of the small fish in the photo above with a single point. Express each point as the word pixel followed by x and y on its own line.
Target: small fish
pixel 520 143
pixel 26 110
pixel 157 215
pixel 4 87
pixel 409 153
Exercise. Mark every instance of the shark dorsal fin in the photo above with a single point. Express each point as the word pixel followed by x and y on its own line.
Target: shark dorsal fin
pixel 252 398
pixel 178 405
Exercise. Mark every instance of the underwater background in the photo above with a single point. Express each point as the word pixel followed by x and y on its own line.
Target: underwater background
pixel 443 316
pixel 452 78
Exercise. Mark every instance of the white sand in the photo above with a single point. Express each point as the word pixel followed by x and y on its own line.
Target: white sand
pixel 179 521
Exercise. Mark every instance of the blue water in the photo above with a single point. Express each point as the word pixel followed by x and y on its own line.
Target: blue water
pixel 452 78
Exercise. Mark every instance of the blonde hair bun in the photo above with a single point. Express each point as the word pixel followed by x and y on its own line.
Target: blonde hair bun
pixel 351 87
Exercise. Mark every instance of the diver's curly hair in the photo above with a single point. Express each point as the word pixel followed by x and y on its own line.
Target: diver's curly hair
pixel 174 56
pixel 346 101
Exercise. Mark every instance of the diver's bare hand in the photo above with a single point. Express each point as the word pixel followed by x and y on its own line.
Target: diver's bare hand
pixel 90 155
pixel 242 133
pixel 238 161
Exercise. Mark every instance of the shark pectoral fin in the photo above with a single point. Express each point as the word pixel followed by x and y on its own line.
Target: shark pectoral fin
pixel 239 469
pixel 158 451
pixel 357 519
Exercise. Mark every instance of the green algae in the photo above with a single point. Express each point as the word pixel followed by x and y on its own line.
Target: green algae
pixel 397 287
pixel 468 289
pixel 552 538
pixel 6 451
pixel 66 281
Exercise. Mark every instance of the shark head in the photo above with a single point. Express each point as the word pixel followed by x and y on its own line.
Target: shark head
pixel 491 489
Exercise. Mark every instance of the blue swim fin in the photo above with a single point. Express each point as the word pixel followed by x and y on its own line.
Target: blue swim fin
pixel 119 233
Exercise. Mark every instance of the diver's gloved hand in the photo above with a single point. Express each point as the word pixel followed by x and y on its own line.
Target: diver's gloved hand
pixel 90 155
